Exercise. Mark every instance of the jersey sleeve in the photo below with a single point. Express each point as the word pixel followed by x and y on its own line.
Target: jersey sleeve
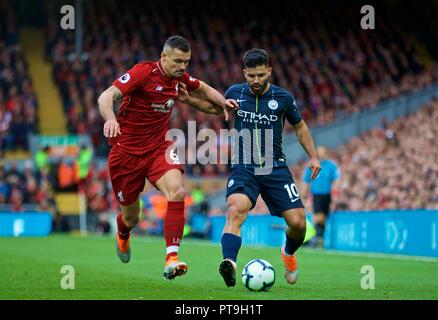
pixel 132 79
pixel 292 113
pixel 191 82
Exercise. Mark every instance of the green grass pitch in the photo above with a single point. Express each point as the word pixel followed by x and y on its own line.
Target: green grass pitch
pixel 30 268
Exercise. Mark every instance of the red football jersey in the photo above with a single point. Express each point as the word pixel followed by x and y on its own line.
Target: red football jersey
pixel 148 98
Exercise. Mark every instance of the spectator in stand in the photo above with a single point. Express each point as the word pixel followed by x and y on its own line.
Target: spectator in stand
pixel 336 69
pixel 391 168
pixel 18 104
pixel 42 159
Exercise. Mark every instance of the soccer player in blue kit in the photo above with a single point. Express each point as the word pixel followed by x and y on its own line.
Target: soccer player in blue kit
pixel 262 168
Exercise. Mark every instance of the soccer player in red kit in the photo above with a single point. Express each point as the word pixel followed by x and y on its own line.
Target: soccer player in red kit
pixel 137 137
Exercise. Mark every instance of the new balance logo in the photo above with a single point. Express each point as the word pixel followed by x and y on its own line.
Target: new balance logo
pixel 159 88
pixel 120 196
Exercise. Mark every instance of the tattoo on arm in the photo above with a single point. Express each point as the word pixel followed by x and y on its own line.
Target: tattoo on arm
pixel 117 94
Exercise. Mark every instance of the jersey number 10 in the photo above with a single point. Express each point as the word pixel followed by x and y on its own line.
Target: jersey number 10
pixel 292 190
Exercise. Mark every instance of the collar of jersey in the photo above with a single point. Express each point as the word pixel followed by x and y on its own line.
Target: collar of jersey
pixel 161 70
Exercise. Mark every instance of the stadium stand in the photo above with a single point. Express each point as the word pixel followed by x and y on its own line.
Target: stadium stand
pixel 25 188
pixel 18 104
pixel 392 167
pixel 333 70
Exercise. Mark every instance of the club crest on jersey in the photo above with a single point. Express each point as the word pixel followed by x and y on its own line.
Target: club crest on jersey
pixel 125 78
pixel 273 104
pixel 170 103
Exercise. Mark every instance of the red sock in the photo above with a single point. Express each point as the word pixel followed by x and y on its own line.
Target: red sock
pixel 174 227
pixel 122 228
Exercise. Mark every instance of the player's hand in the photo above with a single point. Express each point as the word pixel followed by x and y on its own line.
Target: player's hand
pixel 184 95
pixel 111 128
pixel 230 104
pixel 315 166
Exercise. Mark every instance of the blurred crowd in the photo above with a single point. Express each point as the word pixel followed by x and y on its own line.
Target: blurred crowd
pixel 27 185
pixel 18 104
pixel 393 167
pixel 323 57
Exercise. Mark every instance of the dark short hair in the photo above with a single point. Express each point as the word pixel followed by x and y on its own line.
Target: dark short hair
pixel 255 57
pixel 177 42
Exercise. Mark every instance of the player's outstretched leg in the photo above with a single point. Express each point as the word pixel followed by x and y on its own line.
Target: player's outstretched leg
pixel 296 221
pixel 171 184
pixel 122 240
pixel 238 206
pixel 123 249
pixel 126 220
pixel 228 270
pixel 174 268
pixel 290 266
pixel 173 232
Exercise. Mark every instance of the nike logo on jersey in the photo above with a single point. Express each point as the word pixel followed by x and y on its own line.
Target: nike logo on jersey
pixel 239 101
pixel 293 200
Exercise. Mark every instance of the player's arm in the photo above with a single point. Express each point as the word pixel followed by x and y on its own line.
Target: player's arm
pixel 305 138
pixel 106 100
pixel 197 103
pixel 303 134
pixel 205 92
pixel 125 85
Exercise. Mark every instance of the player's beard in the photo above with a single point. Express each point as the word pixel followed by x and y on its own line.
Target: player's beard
pixel 178 74
pixel 260 89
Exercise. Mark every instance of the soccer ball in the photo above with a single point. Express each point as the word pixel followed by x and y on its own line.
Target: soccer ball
pixel 258 275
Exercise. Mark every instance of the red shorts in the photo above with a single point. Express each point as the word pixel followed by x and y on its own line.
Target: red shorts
pixel 129 172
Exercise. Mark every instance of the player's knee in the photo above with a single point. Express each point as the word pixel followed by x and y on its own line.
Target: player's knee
pixel 177 194
pixel 298 223
pixel 235 216
pixel 131 221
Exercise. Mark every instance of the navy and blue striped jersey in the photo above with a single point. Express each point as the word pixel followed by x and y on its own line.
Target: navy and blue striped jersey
pixel 260 122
